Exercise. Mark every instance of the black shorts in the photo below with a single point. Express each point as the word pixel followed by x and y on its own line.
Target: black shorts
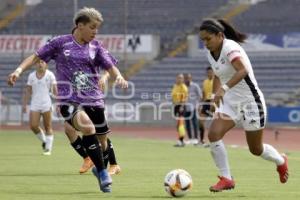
pixel 96 115
pixel 206 108
pixel 179 110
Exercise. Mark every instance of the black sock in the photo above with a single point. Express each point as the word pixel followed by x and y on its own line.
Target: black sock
pixel 201 133
pixel 106 157
pixel 94 150
pixel 112 156
pixel 78 147
pixel 181 139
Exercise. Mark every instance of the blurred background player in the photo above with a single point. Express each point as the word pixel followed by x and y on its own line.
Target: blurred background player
pixel 190 114
pixel 40 84
pixel 205 109
pixel 238 100
pixel 179 98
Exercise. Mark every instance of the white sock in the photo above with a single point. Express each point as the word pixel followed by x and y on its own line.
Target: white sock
pixel 49 142
pixel 219 154
pixel 41 136
pixel 271 154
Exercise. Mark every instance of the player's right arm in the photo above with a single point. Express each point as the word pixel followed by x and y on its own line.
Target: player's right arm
pixel 26 64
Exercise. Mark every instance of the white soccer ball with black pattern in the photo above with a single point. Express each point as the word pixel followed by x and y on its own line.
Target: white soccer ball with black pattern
pixel 178 183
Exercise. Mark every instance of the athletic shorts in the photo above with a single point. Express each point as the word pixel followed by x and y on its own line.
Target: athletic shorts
pixel 206 108
pixel 96 115
pixel 178 110
pixel 41 108
pixel 250 114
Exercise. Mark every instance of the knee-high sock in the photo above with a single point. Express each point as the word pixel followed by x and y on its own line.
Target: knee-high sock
pixel 106 157
pixel 201 129
pixel 219 154
pixel 112 156
pixel 41 136
pixel 271 154
pixel 94 150
pixel 49 142
pixel 78 147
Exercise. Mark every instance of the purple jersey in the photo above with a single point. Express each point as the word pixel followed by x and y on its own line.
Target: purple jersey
pixel 77 68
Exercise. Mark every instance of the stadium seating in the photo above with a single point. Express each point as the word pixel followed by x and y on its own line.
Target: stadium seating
pixel 167 18
pixel 271 16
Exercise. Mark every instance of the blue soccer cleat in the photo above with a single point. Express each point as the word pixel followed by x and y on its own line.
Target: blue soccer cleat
pixel 104 179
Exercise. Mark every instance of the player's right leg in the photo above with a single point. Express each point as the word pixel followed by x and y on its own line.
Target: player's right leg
pixel 220 125
pixel 34 122
pixel 76 143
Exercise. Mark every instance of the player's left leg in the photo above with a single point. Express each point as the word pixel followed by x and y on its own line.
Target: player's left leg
pixel 47 121
pixel 114 168
pixel 267 152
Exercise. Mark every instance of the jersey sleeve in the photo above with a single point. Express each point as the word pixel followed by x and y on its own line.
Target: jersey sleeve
pixel 104 58
pixel 232 51
pixel 48 51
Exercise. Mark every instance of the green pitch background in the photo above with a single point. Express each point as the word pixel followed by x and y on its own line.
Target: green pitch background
pixel 25 174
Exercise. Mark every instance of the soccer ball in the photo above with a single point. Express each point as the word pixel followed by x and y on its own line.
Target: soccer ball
pixel 178 182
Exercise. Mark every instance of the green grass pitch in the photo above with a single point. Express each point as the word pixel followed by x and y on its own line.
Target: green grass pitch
pixel 25 174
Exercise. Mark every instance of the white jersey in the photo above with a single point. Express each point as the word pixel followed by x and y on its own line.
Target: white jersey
pixel 246 89
pixel 40 97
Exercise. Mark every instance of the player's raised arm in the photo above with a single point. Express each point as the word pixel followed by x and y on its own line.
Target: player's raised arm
pixel 26 64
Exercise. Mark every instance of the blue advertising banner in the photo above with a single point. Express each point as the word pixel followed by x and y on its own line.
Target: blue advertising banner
pixel 270 41
pixel 284 115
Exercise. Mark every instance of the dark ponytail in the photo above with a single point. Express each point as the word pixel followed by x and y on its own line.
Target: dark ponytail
pixel 220 25
pixel 232 33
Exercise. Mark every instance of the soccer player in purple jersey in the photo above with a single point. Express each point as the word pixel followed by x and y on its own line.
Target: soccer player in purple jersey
pixel 78 57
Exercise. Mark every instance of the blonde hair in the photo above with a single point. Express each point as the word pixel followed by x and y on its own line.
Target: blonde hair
pixel 85 15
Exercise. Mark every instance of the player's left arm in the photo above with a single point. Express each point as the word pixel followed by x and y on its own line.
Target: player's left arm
pixel 240 74
pixel 119 79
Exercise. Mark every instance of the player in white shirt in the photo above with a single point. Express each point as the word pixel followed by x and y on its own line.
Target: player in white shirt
pixel 238 100
pixel 40 84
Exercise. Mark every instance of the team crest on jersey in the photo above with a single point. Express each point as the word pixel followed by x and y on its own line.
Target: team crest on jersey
pixel 222 61
pixel 81 81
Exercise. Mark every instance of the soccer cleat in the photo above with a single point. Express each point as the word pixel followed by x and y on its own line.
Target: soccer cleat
pixel 283 170
pixel 223 184
pixel 44 146
pixel 179 144
pixel 114 169
pixel 47 153
pixel 87 164
pixel 104 179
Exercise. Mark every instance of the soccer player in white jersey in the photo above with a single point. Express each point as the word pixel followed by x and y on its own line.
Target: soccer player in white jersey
pixel 238 100
pixel 40 84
